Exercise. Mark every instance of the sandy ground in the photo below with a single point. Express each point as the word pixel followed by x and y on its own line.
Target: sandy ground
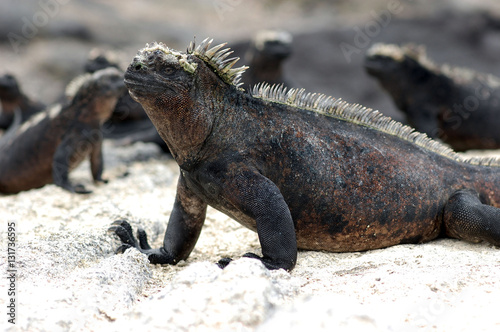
pixel 69 279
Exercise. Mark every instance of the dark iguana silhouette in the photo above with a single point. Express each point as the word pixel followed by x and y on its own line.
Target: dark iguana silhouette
pixel 50 144
pixel 266 53
pixel 13 98
pixel 458 106
pixel 302 170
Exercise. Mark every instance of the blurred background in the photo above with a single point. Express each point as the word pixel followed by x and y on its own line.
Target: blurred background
pixel 45 43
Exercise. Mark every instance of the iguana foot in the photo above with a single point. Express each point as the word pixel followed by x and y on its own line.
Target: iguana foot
pixel 271 264
pixel 101 181
pixel 268 263
pixel 124 231
pixel 80 189
pixel 77 188
pixel 223 262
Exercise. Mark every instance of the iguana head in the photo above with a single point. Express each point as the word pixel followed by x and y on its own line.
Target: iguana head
pixel 180 91
pixel 159 69
pixel 10 98
pixel 100 59
pixel 9 88
pixel 272 44
pixel 159 76
pixel 266 54
pixel 98 92
pixel 402 71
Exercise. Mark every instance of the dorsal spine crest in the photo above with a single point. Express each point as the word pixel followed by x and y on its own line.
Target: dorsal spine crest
pixel 360 115
pixel 215 57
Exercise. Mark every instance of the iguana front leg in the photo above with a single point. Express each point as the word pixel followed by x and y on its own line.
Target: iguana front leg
pixel 259 198
pixel 183 230
pixel 61 164
pixel 97 160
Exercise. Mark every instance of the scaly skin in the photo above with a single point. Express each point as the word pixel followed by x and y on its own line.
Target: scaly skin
pixel 299 178
pixel 49 145
pixel 460 107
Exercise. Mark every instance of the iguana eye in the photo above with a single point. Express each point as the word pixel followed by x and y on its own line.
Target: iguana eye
pixel 169 70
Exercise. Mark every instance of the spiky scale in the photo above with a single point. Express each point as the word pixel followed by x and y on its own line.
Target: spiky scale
pixel 228 63
pixel 191 47
pixel 211 52
pixel 203 47
pixel 221 55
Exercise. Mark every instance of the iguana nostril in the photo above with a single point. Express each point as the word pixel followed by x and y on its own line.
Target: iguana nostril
pixel 138 66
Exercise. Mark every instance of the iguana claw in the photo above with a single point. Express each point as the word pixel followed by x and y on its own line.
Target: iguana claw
pixel 124 231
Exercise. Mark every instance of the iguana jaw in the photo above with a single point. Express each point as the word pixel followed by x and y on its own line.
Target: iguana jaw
pixel 138 87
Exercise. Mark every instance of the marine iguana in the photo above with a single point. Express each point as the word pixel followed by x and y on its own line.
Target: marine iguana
pixel 12 98
pixel 456 105
pixel 46 147
pixel 128 123
pixel 265 56
pixel 126 109
pixel 302 170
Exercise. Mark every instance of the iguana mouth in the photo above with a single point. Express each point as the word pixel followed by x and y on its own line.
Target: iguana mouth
pixel 131 83
pixel 140 83
pixel 135 85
